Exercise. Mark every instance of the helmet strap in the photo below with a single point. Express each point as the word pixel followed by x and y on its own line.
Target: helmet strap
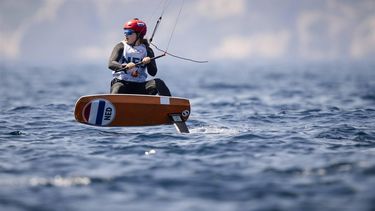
pixel 136 40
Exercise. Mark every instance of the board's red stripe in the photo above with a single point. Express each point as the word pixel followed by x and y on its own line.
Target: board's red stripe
pixel 87 112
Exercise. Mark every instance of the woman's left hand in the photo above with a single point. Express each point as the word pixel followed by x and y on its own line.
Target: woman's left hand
pixel 146 60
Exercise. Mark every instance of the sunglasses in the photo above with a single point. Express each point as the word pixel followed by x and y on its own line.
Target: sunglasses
pixel 128 32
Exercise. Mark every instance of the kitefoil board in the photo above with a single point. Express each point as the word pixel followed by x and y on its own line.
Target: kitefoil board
pixel 111 110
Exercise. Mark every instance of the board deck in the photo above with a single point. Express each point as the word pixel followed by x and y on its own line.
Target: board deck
pixel 131 110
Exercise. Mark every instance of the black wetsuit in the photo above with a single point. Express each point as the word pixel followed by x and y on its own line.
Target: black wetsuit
pixel 151 87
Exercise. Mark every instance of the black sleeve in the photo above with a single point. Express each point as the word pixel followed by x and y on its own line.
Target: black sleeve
pixel 151 67
pixel 114 60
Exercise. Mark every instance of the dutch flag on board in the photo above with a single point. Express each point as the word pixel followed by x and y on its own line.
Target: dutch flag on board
pixel 99 112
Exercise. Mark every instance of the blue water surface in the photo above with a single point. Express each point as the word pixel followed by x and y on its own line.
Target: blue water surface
pixel 263 137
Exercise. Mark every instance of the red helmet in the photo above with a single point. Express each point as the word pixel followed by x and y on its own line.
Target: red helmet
pixel 137 26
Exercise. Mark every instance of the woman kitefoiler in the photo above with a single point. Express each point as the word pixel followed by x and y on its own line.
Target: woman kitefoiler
pixel 129 60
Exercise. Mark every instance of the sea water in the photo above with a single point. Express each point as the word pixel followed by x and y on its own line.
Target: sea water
pixel 263 137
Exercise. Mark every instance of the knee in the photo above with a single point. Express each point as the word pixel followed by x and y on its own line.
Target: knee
pixel 162 87
pixel 159 82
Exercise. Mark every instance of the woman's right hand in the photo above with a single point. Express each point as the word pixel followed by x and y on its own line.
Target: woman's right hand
pixel 129 65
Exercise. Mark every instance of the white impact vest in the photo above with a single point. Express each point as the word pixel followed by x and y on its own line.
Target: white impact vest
pixel 132 54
